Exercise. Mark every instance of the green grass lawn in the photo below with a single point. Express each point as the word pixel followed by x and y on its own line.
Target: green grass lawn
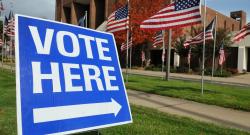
pixel 221 95
pixel 146 121
pixel 152 122
pixel 7 103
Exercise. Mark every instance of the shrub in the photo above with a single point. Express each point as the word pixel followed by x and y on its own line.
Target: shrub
pixel 208 71
pixel 218 73
pixel 182 70
pixel 224 73
pixel 197 69
pixel 150 67
pixel 233 70
pixel 173 70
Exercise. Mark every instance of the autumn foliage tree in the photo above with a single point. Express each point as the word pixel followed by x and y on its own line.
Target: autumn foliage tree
pixel 139 11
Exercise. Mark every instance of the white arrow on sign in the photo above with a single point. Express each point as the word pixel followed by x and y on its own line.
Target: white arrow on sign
pixel 75 111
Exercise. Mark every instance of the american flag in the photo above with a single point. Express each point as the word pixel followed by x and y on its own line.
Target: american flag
pixel 5 27
pixel 242 33
pixel 178 14
pixel 200 37
pixel 124 44
pixel 1 6
pixel 11 25
pixel 118 20
pixel 222 57
pixel 158 38
pixel 1 42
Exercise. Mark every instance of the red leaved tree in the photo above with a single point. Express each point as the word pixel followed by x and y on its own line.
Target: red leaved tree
pixel 141 10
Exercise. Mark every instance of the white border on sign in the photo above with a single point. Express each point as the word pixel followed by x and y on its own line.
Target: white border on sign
pixel 18 88
pixel 18 92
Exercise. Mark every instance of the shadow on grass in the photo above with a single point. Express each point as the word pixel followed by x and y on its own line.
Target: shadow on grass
pixel 90 133
pixel 132 81
pixel 179 88
pixel 8 85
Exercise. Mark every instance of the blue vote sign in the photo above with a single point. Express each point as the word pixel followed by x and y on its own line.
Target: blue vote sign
pixel 68 79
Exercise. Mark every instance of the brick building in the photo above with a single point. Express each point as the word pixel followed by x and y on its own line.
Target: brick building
pixel 70 11
pixel 233 23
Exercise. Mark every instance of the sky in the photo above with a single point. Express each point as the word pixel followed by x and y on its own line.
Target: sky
pixel 226 6
pixel 46 8
pixel 37 8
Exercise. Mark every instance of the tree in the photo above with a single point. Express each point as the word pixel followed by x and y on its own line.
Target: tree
pixel 140 11
pixel 181 50
pixel 223 36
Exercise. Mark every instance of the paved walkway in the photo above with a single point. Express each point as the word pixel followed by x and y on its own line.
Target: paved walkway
pixel 202 112
pixel 241 80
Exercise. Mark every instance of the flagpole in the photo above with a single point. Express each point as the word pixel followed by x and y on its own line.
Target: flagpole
pixel 189 60
pixel 5 48
pixel 127 56
pixel 204 48
pixel 10 49
pixel 215 34
pixel 127 47
pixel 163 50
pixel 86 19
pixel 141 59
pixel 3 38
pixel 168 52
pixel 221 68
pixel 62 10
pixel 4 51
pixel 130 57
pixel 11 53
pixel 2 16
